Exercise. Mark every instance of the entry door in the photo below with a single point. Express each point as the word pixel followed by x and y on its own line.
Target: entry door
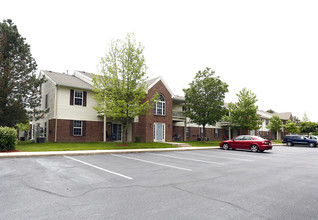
pixel 159 132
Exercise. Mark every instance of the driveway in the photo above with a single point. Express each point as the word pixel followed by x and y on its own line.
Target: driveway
pixel 201 184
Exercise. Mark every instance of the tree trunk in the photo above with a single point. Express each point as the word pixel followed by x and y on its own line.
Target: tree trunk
pixel 204 134
pixel 124 138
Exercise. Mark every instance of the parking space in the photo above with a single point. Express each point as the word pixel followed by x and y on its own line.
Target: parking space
pixel 199 184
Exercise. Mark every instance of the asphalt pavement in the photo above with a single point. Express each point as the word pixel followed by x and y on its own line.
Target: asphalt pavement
pixel 196 184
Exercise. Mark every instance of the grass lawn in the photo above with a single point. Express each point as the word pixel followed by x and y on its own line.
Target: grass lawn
pixel 277 141
pixel 200 144
pixel 31 147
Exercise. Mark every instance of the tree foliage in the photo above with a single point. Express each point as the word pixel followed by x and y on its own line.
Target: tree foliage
pixel 275 124
pixel 291 127
pixel 243 114
pixel 205 99
pixel 121 89
pixel 308 127
pixel 17 75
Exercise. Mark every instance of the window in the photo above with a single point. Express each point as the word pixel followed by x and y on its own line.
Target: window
pixel 78 97
pixel 77 128
pixel 116 132
pixel 46 100
pixel 187 131
pixel 160 106
pixel 239 138
pixel 45 129
pixel 216 132
pixel 247 138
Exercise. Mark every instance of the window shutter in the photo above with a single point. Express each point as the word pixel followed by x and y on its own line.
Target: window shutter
pixel 84 98
pixel 72 97
pixel 71 128
pixel 84 128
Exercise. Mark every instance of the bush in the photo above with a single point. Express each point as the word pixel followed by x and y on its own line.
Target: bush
pixel 8 138
pixel 137 139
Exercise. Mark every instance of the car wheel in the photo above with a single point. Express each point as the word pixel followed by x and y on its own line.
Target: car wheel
pixel 226 146
pixel 254 148
pixel 289 144
pixel 312 145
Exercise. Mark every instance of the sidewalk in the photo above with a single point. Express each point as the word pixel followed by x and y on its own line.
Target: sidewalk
pixel 88 152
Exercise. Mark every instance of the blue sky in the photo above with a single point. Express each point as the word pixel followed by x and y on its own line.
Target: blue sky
pixel 269 47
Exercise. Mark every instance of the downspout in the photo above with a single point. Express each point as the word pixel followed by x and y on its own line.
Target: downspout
pixel 185 130
pixel 105 138
pixel 230 126
pixel 55 112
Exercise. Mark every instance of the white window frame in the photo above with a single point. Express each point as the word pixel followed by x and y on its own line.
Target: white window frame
pixel 78 98
pixel 75 126
pixel 162 104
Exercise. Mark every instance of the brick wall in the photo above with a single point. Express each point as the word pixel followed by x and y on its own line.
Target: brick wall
pixel 94 131
pixel 144 128
pixel 195 133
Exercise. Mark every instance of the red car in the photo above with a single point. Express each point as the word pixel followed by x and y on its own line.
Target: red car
pixel 248 142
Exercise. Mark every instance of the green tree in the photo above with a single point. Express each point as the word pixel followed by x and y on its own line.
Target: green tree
pixel 243 114
pixel 296 120
pixel 204 99
pixel 121 89
pixel 275 124
pixel 291 127
pixel 305 118
pixel 308 127
pixel 17 75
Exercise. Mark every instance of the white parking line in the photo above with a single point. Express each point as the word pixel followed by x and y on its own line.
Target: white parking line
pixel 208 155
pixel 183 158
pixel 88 164
pixel 146 161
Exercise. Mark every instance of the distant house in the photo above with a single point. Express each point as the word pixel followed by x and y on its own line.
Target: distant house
pixel 72 117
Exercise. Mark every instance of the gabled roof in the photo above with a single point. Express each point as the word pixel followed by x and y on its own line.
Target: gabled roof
pixel 154 81
pixel 267 115
pixel 264 114
pixel 60 79
pixel 89 75
pixel 285 115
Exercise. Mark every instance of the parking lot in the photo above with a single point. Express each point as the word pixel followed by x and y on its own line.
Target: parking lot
pixel 199 184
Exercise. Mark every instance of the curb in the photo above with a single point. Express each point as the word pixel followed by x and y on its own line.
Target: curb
pixel 94 152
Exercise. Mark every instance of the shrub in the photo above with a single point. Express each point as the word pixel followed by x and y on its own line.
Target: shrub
pixel 137 139
pixel 8 138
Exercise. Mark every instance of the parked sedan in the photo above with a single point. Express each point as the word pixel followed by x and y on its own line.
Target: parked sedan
pixel 248 142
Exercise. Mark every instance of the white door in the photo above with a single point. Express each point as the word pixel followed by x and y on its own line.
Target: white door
pixel 159 132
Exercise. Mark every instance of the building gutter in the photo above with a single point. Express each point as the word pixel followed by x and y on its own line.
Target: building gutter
pixel 55 115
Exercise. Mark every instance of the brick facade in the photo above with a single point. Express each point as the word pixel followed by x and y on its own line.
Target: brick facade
pixel 144 129
pixel 195 134
pixel 93 131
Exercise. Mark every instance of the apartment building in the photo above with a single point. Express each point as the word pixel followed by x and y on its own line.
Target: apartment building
pixel 72 117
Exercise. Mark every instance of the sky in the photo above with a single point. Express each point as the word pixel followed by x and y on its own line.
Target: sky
pixel 270 47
